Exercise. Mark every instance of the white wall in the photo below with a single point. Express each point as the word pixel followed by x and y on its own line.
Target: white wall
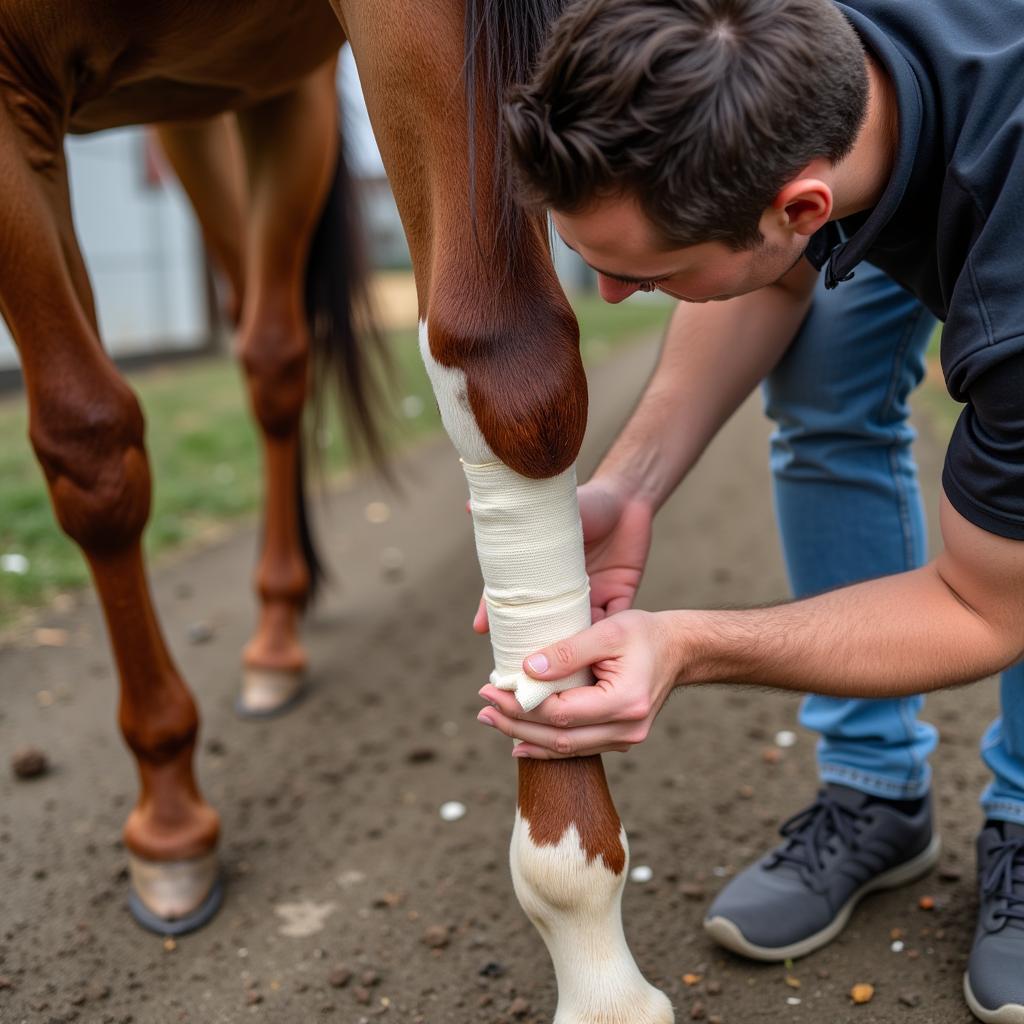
pixel 141 246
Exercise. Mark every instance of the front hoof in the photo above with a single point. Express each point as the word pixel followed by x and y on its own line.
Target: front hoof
pixel 174 897
pixel 647 1005
pixel 267 692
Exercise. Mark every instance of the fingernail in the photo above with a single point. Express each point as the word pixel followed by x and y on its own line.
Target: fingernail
pixel 519 752
pixel 537 662
pixel 485 719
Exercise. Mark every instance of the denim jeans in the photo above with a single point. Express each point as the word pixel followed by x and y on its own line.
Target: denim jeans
pixel 849 509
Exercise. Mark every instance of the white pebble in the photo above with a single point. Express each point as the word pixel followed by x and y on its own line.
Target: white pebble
pixel 452 811
pixel 641 873
pixel 13 562
pixel 897 946
pixel 785 738
pixel 793 1001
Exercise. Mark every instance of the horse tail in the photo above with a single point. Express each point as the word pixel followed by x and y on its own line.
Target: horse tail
pixel 347 347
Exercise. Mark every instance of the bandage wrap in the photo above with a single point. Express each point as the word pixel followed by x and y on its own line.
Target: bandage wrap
pixel 529 542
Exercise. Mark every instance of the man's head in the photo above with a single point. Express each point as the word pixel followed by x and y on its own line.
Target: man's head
pixel 668 136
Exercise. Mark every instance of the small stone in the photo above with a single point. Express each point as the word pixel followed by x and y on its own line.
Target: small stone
pixel 689 980
pixel 215 747
pixel 485 1000
pixel 862 993
pixel 897 946
pixel 771 755
pixel 793 1000
pixel 823 973
pixel 253 998
pixel 745 792
pixel 421 755
pixel 715 1019
pixel 698 1011
pixel 436 936
pixel 170 945
pixel 792 982
pixel 362 995
pixel 926 903
pixel 452 811
pixel 910 999
pixel 339 976
pixel 5 982
pixel 518 1008
pixel 784 738
pixel 950 873
pixel 29 763
pixel 713 988
pixel 199 633
pixel 693 890
pixel 492 970
pixel 641 873
pixel 369 978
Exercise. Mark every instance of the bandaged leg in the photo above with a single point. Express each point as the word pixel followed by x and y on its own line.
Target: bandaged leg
pixel 529 542
pixel 569 853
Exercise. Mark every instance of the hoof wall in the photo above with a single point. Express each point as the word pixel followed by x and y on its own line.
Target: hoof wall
pixel 190 922
pixel 267 693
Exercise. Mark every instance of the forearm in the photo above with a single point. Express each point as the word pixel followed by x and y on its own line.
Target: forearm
pixel 890 637
pixel 713 356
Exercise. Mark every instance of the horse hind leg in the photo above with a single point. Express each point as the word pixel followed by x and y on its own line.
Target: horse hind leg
pixel 290 147
pixel 87 431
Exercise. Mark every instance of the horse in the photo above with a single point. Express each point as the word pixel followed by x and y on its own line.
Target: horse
pixel 498 338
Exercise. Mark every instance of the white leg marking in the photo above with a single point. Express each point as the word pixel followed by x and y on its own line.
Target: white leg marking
pixel 576 906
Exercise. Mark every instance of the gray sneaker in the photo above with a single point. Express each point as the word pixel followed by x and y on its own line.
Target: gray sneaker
pixel 994 982
pixel 799 897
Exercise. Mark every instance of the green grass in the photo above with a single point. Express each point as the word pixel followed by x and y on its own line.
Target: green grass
pixel 205 456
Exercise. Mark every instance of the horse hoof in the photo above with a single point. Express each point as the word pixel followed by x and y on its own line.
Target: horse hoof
pixel 269 691
pixel 174 897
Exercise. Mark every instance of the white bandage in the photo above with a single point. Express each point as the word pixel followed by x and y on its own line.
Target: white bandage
pixel 529 542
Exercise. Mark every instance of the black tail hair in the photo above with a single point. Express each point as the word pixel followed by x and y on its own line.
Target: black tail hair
pixel 347 347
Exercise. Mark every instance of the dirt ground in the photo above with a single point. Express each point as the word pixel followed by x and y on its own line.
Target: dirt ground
pixel 349 898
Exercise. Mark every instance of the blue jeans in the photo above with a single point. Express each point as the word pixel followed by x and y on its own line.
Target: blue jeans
pixel 849 508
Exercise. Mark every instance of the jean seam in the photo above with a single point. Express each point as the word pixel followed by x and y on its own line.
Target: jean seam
pixel 841 773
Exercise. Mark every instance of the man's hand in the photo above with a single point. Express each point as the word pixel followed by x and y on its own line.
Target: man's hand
pixel 616 540
pixel 635 658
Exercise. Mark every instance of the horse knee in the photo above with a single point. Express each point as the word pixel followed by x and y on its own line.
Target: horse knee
pixel 160 738
pixel 275 357
pixel 89 440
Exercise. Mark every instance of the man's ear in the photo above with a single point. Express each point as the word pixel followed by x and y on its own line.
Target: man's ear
pixel 802 206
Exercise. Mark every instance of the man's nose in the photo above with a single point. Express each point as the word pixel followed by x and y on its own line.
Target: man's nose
pixel 614 291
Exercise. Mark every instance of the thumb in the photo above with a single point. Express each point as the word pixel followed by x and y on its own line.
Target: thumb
pixel 562 659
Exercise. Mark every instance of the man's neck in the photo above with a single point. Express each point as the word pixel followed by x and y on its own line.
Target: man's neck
pixel 860 178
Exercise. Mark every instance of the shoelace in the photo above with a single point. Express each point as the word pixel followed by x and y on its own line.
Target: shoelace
pixel 810 831
pixel 1004 878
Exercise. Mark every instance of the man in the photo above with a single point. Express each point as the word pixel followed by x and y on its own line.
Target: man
pixel 731 149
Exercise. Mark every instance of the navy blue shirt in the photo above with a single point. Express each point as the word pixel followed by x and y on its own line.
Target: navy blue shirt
pixel 949 226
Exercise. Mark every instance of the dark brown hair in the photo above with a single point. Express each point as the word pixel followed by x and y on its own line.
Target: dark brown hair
pixel 701 109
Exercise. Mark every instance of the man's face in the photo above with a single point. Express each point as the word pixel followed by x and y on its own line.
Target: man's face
pixel 615 238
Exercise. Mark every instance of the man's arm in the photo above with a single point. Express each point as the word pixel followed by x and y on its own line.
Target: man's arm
pixel 713 357
pixel 958 619
pixel 954 621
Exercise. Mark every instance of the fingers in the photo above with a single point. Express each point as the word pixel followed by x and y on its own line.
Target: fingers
pixel 568 656
pixel 480 623
pixel 552 742
pixel 582 705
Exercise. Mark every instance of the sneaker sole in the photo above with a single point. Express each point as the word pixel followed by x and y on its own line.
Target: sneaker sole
pixel 727 934
pixel 1010 1013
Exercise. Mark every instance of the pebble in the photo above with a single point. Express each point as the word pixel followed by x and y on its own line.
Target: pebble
pixel 199 633
pixel 862 993
pixel 452 811
pixel 910 999
pixel 926 903
pixel 437 936
pixel 339 976
pixel 897 946
pixel 693 890
pixel 518 1008
pixel 253 998
pixel 362 995
pixel 421 755
pixel 713 988
pixel 492 970
pixel 950 873
pixel 698 1011
pixel 785 738
pixel 15 563
pixel 771 755
pixel 29 763
pixel 641 873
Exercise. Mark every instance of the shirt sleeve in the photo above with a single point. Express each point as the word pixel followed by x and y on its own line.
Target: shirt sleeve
pixel 984 472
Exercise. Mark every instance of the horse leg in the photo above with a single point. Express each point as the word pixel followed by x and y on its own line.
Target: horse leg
pixel 290 145
pixel 502 349
pixel 207 158
pixel 86 427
